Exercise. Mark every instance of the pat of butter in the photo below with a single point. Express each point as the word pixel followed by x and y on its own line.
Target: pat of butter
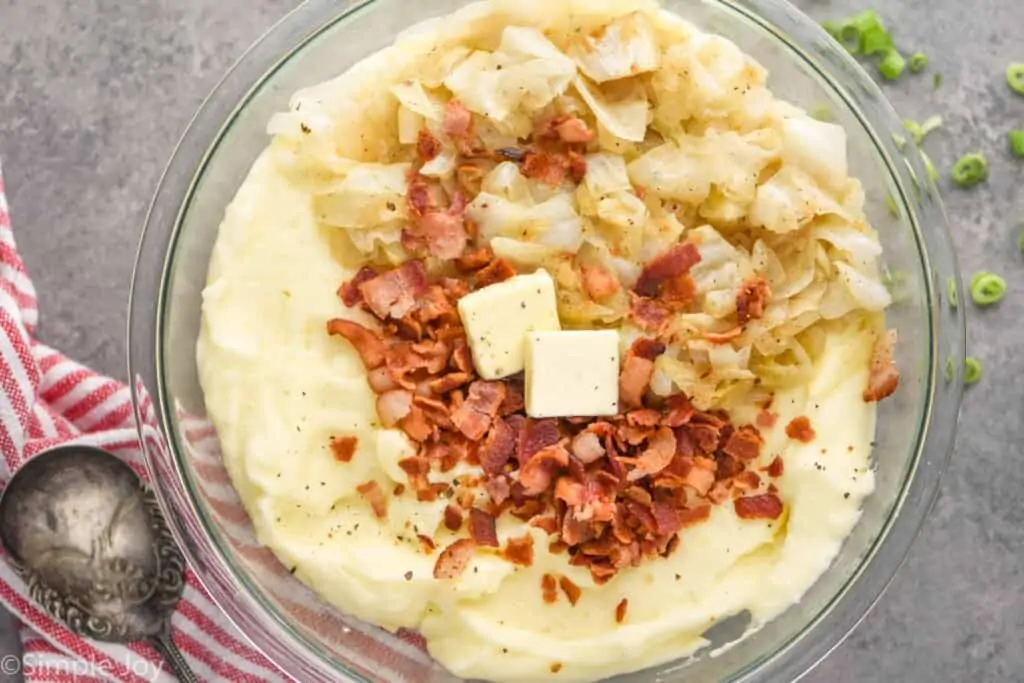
pixel 498 318
pixel 572 373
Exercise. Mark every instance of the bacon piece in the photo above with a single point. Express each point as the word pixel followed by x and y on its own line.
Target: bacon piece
pixel 764 506
pixel 444 234
pixel 571 590
pixel 633 381
pixel 458 120
pixel 416 425
pixel 452 518
pixel 394 293
pixel 574 131
pixel 494 272
pixel 515 400
pixel 454 559
pixel 599 282
pixel 474 260
pixel 536 475
pixel 723 337
pixel 481 528
pixel 349 292
pixel 744 443
pixel 672 263
pixel 577 167
pixel 519 550
pixel 643 417
pixel 462 357
pixel 800 428
pixel 690 516
pixel 883 378
pixel 367 343
pixel 549 589
pixel 678 292
pixel 657 456
pixel 393 406
pixel 747 481
pixel 498 447
pixel 547 524
pixel 620 611
pixel 586 446
pixel 776 468
pixel 534 436
pixel 647 348
pixel 343 447
pixel 728 466
pixel 473 417
pixel 452 380
pixel 498 488
pixel 427 146
pixel 700 479
pixel 767 419
pixel 665 518
pixel 752 299
pixel 421 195
pixel 546 167
pixel 416 468
pixel 373 494
pixel 650 315
pixel 677 412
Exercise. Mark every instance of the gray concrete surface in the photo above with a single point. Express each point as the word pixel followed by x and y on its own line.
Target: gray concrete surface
pixel 94 94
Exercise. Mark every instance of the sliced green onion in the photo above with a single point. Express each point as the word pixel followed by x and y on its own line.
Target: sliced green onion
pixel 932 172
pixel 1020 239
pixel 834 29
pixel 900 141
pixel 892 65
pixel 970 170
pixel 954 301
pixel 987 288
pixel 937 82
pixel 918 62
pixel 918 131
pixel 972 370
pixel 1017 142
pixel 950 369
pixel 822 112
pixel 891 203
pixel 875 41
pixel 1015 77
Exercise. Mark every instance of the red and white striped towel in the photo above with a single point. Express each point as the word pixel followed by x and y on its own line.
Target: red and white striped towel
pixel 46 400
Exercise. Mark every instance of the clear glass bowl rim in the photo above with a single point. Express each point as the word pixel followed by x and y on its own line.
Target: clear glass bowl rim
pixel 154 262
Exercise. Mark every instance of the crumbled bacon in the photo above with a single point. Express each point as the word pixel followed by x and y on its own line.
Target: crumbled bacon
pixel 800 428
pixel 444 234
pixel 744 443
pixel 723 337
pixel 763 506
pixel 427 146
pixel 474 260
pixel 577 167
pixel 671 264
pixel 620 611
pixel 452 380
pixel 394 293
pixel 498 447
pixel 458 120
pixel 534 436
pixel 587 448
pixel 519 550
pixel 454 559
pixel 498 489
pixel 647 348
pixel 633 381
pixel 752 299
pixel 349 292
pixel 421 195
pixel 883 378
pixel 393 406
pixel 536 475
pixel 367 343
pixel 452 518
pixel 678 292
pixel 343 447
pixel 599 282
pixel 549 588
pixel 473 418
pixel 374 495
pixel 481 528
pixel 572 130
pixel 767 419
pixel 494 272
pixel 657 456
pixel 776 468
pixel 650 315
pixel 571 590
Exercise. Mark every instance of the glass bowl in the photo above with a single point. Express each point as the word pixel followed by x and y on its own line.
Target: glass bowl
pixel 310 640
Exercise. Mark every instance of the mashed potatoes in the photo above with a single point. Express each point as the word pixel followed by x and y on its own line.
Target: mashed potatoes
pixel 735 171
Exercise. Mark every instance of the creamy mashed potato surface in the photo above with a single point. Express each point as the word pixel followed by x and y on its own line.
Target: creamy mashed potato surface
pixel 278 388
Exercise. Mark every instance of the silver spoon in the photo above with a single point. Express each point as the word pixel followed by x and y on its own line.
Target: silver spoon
pixel 88 537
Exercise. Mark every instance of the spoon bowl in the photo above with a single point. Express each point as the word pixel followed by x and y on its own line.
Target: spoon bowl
pixel 88 537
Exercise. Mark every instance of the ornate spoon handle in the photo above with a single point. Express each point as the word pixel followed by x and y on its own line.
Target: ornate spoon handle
pixel 172 655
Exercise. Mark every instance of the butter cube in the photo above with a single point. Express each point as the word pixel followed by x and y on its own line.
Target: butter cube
pixel 572 373
pixel 498 318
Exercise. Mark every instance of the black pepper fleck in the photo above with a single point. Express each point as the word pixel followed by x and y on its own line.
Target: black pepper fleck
pixel 305 129
pixel 408 576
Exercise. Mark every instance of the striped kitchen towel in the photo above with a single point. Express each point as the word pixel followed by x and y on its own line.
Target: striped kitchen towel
pixel 47 400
